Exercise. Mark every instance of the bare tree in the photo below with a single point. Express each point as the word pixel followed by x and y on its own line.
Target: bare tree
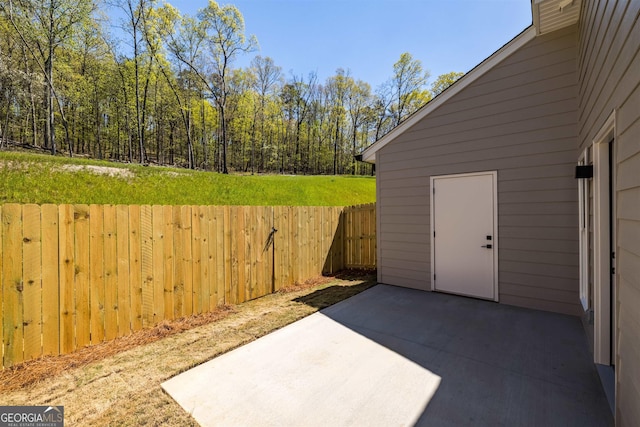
pixel 268 75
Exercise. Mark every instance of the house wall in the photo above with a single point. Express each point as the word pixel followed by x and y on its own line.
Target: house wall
pixel 609 73
pixel 519 119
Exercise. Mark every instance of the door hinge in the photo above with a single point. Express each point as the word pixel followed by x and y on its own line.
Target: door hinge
pixel 613 268
pixel 434 277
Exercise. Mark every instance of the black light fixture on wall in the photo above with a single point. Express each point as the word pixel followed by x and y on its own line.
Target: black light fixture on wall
pixel 584 171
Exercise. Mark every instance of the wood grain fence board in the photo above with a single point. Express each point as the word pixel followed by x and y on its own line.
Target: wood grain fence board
pixel 276 259
pixel 241 240
pixel 270 268
pixel 188 260
pixel 278 238
pixel 205 257
pixel 65 239
pixel 220 255
pixel 228 259
pixel 157 213
pixel 336 214
pixel 179 264
pixel 243 244
pixel 76 275
pixel 263 229
pixel 259 240
pixel 285 247
pixel 305 241
pixel 168 261
pixel 196 264
pixel 146 228
pixel 249 251
pixel 317 241
pixel 81 275
pixel 50 289
pixel 340 243
pixel 288 248
pixel 32 279
pixel 111 307
pixel 212 260
pixel 372 236
pixel 134 290
pixel 96 274
pixel 358 234
pixel 260 259
pixel 12 285
pixel 364 232
pixel 325 243
pixel 233 237
pixel 124 271
pixel 295 246
pixel 335 227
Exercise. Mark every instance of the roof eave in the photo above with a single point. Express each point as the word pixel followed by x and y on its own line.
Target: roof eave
pixel 552 15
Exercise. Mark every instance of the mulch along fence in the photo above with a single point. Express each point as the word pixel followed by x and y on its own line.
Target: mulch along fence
pixel 77 275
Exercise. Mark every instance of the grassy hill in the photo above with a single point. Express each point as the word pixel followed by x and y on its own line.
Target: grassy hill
pixel 35 178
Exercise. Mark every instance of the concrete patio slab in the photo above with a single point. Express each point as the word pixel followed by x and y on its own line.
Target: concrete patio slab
pixel 398 357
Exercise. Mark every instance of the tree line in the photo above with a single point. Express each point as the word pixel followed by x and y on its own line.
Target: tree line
pixel 166 91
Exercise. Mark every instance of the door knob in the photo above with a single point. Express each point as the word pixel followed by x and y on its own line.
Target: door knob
pixel 487 246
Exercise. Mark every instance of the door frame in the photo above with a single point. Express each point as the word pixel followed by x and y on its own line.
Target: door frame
pixel 494 175
pixel 584 211
pixel 602 278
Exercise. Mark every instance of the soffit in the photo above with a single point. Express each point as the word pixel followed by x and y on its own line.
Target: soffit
pixel 552 15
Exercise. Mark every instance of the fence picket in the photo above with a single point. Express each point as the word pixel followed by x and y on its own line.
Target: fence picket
pixel 82 274
pixel 111 306
pixel 12 285
pixel 204 285
pixel 96 266
pixel 50 279
pixel 178 282
pixel 128 266
pixel 157 306
pixel 65 239
pixel 168 260
pixel 32 278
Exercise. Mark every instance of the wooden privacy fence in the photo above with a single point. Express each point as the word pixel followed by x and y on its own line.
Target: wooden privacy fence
pixel 77 275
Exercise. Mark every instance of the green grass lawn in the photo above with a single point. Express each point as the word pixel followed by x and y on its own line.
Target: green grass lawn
pixel 35 178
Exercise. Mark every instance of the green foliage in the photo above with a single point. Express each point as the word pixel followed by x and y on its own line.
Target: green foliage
pixel 169 92
pixel 31 178
pixel 444 81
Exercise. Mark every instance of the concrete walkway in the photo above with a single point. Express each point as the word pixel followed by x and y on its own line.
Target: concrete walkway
pixel 398 357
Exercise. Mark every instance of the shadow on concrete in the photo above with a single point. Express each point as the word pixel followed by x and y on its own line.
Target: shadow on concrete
pixel 326 297
pixel 498 364
pixel 392 356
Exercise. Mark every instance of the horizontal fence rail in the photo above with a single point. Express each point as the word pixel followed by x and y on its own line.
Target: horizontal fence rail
pixel 77 275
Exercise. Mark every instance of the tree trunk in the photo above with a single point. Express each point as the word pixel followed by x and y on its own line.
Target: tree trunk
pixel 224 140
pixel 49 132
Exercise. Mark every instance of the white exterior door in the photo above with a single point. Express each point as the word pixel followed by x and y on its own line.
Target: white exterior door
pixel 464 246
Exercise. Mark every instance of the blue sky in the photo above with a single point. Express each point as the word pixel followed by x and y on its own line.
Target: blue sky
pixel 368 36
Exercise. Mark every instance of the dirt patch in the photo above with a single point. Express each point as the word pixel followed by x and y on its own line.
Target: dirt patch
pixel 100 170
pixel 120 383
